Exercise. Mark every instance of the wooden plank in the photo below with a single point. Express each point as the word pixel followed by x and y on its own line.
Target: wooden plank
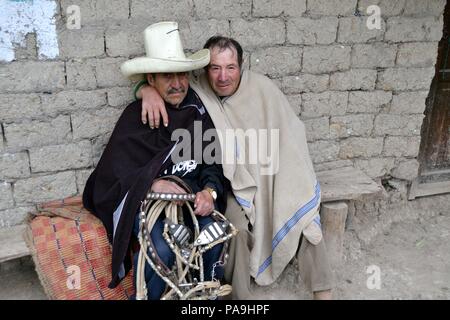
pixel 427 173
pixel 428 189
pixel 348 183
pixel 12 244
pixel 333 216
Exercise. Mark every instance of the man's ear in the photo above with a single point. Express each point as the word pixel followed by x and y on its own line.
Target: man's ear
pixel 150 79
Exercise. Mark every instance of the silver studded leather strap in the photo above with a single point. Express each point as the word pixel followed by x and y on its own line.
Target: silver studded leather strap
pixel 170 196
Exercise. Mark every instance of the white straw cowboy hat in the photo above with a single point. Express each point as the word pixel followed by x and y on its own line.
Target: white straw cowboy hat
pixel 164 53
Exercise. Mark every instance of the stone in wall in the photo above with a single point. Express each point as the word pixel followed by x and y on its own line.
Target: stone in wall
pixel 258 33
pixel 155 11
pixel 15 216
pixel 373 55
pixel 98 12
pixel 91 124
pixel 61 157
pixel 355 79
pixel 14 166
pixel 355 147
pixel 45 188
pixel 326 59
pixel 317 129
pixel 368 102
pixel 32 76
pixel 326 103
pixel 15 107
pixel 82 43
pixel 308 31
pixel 417 54
pixel 270 8
pixel 351 125
pixel 28 134
pixel 406 170
pixel 277 61
pixel 305 83
pixel 332 7
pixel 6 195
pixel 401 146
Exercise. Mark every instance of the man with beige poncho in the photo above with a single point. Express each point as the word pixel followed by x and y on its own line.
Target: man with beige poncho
pixel 275 207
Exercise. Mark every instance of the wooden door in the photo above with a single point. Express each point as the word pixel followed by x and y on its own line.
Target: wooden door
pixel 434 154
pixel 434 151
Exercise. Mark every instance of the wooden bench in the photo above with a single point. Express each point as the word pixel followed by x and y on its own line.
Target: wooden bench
pixel 339 186
pixel 12 244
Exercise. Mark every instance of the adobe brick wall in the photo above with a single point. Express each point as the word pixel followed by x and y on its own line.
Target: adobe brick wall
pixel 360 92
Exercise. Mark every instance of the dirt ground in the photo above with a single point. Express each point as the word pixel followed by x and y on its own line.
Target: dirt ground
pixel 411 260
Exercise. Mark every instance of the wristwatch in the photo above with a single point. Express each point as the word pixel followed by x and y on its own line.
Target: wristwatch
pixel 212 192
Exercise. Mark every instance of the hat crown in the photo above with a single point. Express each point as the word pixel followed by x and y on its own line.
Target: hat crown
pixel 162 41
pixel 163 53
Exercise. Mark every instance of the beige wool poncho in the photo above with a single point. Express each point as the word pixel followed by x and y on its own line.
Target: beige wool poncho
pixel 281 199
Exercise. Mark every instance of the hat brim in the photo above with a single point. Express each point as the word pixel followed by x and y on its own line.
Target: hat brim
pixel 134 69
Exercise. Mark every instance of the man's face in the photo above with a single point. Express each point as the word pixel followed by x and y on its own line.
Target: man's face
pixel 171 86
pixel 224 73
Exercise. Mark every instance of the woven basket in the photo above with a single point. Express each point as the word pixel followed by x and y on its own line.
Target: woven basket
pixel 72 254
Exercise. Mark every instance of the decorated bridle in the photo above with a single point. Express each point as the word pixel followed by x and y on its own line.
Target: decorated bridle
pixel 186 280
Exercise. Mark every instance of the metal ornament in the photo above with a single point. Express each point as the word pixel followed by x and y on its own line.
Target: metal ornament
pixel 185 280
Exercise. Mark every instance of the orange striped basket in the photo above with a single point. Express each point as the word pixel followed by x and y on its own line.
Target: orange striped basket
pixel 72 253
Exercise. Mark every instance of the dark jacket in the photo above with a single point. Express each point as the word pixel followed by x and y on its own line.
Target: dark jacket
pixel 134 156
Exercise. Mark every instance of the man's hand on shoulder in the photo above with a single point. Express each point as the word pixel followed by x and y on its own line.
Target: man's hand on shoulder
pixel 153 107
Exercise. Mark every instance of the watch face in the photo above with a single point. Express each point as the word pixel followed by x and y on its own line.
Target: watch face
pixel 213 193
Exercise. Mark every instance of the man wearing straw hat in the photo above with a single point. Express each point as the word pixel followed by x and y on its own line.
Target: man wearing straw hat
pixel 276 208
pixel 137 158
